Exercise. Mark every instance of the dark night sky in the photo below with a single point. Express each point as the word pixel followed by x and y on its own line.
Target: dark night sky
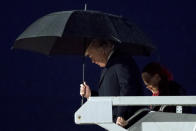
pixel 40 93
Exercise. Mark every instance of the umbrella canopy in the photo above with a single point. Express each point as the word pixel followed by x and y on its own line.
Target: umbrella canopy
pixel 69 32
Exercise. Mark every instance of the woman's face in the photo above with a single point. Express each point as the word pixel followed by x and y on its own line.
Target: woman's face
pixel 151 82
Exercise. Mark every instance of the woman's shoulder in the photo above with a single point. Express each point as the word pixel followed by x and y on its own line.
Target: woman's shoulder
pixel 175 88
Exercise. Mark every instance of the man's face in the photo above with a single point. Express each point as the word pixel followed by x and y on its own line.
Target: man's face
pixel 97 56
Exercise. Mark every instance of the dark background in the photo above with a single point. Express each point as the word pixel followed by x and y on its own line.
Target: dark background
pixel 40 93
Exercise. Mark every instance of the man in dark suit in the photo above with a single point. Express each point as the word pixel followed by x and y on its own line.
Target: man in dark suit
pixel 120 77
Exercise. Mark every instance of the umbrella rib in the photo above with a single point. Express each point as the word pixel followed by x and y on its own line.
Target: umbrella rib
pixel 116 31
pixel 49 53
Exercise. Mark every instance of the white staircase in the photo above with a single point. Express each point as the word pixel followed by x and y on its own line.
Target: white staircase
pixel 98 110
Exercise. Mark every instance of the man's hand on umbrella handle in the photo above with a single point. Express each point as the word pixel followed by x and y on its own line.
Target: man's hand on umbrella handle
pixel 121 122
pixel 85 90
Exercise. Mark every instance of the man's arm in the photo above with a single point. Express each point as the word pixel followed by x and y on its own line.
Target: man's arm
pixel 129 84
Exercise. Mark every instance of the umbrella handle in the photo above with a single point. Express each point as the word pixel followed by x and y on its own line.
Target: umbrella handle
pixel 82 100
pixel 83 76
pixel 83 63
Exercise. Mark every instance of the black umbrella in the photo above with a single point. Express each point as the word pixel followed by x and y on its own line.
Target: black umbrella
pixel 69 32
pixel 65 33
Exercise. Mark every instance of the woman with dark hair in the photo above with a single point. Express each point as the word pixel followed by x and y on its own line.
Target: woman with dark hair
pixel 160 82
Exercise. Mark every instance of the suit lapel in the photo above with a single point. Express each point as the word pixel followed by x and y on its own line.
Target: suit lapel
pixel 105 69
pixel 102 75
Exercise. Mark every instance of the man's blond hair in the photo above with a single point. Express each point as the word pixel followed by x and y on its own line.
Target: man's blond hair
pixel 99 43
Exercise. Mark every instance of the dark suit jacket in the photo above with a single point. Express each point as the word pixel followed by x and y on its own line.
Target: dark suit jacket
pixel 171 88
pixel 121 77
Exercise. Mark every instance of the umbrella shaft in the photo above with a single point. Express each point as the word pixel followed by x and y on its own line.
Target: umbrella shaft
pixel 83 68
